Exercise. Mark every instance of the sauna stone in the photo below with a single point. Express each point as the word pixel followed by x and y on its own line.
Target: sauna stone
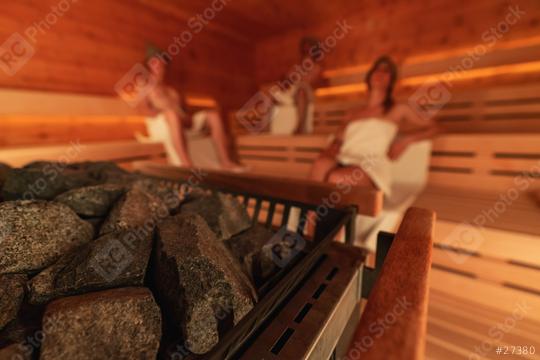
pixel 92 201
pixel 198 282
pixel 249 241
pixel 136 210
pixel 168 192
pixel 102 171
pixel 247 247
pixel 4 169
pixel 43 183
pixel 24 327
pixel 34 234
pixel 223 213
pixel 122 323
pixel 16 352
pixel 11 296
pixel 113 260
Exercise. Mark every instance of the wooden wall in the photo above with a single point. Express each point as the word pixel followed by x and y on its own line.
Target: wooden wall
pixel 87 46
pixel 403 29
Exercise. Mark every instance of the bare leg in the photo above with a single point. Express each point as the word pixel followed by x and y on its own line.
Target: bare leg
pixel 319 172
pixel 322 167
pixel 219 136
pixel 351 175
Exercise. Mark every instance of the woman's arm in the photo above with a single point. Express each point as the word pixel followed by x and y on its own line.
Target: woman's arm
pixel 178 136
pixel 416 129
pixel 301 108
pixel 145 108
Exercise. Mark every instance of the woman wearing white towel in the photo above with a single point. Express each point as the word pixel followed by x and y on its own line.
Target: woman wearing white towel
pixel 374 135
pixel 169 123
pixel 293 100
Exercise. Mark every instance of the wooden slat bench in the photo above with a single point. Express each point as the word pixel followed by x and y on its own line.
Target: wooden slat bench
pixel 65 127
pixel 467 176
pixel 507 109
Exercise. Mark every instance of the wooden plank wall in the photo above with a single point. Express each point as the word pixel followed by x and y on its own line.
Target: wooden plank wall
pixel 87 46
pixel 405 29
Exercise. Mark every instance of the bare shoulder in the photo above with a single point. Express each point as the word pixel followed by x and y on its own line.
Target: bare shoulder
pixel 404 114
pixel 172 93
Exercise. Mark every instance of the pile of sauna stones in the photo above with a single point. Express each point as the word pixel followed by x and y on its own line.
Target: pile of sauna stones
pixel 97 262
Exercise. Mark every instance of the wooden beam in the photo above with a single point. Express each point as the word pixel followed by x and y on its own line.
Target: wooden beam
pixel 367 202
pixel 120 151
pixel 393 325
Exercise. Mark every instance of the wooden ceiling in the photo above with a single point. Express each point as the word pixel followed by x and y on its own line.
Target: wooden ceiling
pixel 252 20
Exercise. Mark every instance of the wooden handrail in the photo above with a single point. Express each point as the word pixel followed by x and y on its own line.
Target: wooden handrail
pixel 368 202
pixel 393 325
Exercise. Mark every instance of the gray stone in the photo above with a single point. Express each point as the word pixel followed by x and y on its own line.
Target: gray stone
pixel 250 241
pixel 11 296
pixel 4 170
pixel 25 328
pixel 16 352
pixel 45 182
pixel 91 201
pixel 167 191
pixel 122 323
pixel 96 224
pixel 223 213
pixel 34 234
pixel 113 260
pixel 198 281
pixel 137 209
pixel 247 248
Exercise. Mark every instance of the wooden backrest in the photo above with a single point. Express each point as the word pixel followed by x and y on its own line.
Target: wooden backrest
pixel 37 118
pixel 492 162
pixel 34 118
pixel 501 109
pixel 280 155
pixel 486 162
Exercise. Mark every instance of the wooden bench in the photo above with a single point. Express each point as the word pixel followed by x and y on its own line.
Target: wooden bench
pixel 508 109
pixel 37 125
pixel 466 177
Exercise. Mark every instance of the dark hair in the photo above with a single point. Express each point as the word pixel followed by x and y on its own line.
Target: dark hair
pixel 389 97
pixel 310 46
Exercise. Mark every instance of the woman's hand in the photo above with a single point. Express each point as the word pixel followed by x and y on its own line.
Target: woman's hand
pixel 397 148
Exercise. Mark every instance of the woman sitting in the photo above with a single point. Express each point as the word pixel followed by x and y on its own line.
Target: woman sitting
pixel 293 98
pixel 374 135
pixel 169 123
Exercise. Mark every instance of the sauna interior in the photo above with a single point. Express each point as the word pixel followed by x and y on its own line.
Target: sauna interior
pixel 270 179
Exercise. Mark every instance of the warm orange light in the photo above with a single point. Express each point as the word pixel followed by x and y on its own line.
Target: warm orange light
pixel 341 90
pixel 430 57
pixel 201 101
pixel 523 68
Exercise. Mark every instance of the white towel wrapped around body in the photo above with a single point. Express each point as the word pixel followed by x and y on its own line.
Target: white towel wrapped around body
pixel 365 144
pixel 201 147
pixel 284 118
